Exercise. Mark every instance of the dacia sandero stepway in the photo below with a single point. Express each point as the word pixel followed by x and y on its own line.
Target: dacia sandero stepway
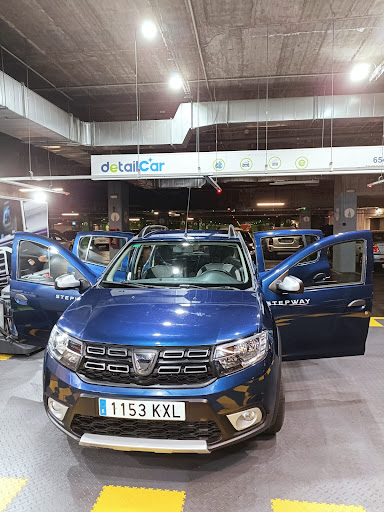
pixel 177 347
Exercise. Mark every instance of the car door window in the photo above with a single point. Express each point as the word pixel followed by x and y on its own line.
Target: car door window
pixel 339 265
pixel 102 249
pixel 82 247
pixel 277 248
pixel 38 263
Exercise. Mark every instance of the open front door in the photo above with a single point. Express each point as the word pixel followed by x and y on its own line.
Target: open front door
pixel 36 305
pixel 328 314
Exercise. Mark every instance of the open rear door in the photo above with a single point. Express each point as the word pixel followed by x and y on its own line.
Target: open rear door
pixel 328 314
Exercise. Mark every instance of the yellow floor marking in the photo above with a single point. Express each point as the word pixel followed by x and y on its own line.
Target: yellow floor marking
pixel 374 321
pixel 4 357
pixel 138 499
pixel 305 506
pixel 9 489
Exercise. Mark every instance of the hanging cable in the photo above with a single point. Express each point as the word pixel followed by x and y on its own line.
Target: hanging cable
pixel 332 90
pixel 267 103
pixel 137 107
pixel 258 115
pixel 188 203
pixel 29 130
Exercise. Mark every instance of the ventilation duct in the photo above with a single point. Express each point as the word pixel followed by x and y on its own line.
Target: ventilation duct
pixel 26 115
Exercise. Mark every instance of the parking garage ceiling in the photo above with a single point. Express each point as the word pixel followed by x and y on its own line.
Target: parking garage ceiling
pixel 224 50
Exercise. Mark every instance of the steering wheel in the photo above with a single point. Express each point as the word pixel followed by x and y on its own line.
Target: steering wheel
pixel 217 270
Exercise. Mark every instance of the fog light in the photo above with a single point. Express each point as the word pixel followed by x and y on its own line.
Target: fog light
pixel 245 419
pixel 57 409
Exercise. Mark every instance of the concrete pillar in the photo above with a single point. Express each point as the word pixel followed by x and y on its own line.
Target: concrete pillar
pixel 118 205
pixel 345 206
pixel 345 219
pixel 305 219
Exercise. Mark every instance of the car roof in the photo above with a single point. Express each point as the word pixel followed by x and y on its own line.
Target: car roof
pixel 180 235
pixel 115 234
pixel 291 232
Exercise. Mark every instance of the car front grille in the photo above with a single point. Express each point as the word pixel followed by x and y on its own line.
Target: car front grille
pixel 179 366
pixel 178 430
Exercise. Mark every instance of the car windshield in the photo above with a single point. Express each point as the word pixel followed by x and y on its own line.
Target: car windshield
pixel 193 264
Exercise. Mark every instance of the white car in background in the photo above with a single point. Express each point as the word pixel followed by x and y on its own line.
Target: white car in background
pixel 378 249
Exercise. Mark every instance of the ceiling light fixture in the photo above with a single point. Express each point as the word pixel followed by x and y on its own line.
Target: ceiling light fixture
pixel 175 82
pixel 70 214
pixel 270 204
pixel 149 29
pixel 40 197
pixel 360 71
pixel 134 219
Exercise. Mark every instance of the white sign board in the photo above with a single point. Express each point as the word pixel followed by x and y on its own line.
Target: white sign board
pixel 357 159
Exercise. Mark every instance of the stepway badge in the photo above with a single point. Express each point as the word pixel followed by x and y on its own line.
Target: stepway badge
pixel 289 302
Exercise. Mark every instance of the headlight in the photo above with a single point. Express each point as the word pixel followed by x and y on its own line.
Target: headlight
pixel 237 355
pixel 65 349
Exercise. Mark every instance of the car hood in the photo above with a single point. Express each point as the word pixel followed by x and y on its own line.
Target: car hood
pixel 163 317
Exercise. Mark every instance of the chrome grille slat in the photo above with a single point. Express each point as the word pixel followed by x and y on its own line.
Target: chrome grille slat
pixel 167 370
pixel 93 365
pixel 97 351
pixel 117 352
pixel 118 368
pixel 195 369
pixel 198 353
pixel 173 354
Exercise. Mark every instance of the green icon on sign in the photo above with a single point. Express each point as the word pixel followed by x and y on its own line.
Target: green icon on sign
pixel 246 164
pixel 301 162
pixel 274 162
pixel 218 164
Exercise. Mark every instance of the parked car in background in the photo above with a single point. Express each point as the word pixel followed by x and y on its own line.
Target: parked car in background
pixel 247 236
pixel 378 249
pixel 98 248
pixel 63 240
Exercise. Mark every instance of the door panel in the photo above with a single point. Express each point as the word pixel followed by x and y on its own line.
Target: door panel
pixel 331 316
pixel 36 304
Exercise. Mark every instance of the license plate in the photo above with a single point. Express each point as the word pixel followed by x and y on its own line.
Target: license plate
pixel 142 410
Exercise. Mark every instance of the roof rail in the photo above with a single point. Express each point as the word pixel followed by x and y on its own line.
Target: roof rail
pixel 152 227
pixel 231 231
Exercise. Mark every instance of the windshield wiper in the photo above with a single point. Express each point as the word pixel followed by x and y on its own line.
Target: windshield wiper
pixel 191 286
pixel 127 284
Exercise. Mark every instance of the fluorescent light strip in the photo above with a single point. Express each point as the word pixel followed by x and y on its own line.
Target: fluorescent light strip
pixel 270 204
pixel 70 214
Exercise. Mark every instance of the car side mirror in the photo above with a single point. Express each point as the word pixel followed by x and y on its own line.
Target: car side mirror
pixel 291 284
pixel 67 282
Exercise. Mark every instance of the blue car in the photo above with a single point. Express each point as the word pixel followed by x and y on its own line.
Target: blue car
pixel 177 347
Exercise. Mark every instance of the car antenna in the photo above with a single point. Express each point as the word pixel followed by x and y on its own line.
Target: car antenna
pixel 186 220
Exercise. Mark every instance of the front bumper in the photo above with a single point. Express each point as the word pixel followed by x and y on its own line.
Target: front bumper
pixel 254 387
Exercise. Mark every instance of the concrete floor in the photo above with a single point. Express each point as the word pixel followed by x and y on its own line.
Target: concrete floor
pixel 330 449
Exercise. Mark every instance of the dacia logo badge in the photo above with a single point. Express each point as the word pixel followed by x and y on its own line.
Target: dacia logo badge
pixel 144 361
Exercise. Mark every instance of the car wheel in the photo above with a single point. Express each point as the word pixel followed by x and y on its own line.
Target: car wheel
pixel 378 267
pixel 278 419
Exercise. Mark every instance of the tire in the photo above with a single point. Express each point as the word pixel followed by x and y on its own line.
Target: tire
pixel 377 267
pixel 278 419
